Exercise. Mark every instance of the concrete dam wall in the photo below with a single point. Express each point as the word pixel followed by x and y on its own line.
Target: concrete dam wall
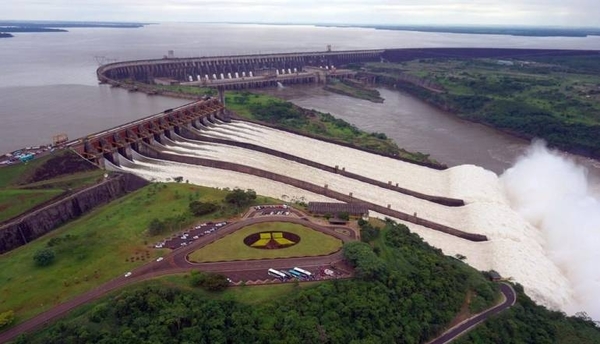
pixel 182 69
pixel 40 222
pixel 234 67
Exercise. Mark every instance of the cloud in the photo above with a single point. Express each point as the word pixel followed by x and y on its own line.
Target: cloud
pixel 521 12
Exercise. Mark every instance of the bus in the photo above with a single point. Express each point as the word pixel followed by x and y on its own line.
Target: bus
pixel 296 274
pixel 277 274
pixel 302 271
pixel 287 274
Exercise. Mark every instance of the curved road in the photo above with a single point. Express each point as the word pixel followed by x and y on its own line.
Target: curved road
pixel 176 262
pixel 510 297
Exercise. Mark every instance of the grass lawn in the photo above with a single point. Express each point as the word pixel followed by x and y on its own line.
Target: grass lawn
pixel 232 247
pixel 15 201
pixel 11 175
pixel 18 195
pixel 99 244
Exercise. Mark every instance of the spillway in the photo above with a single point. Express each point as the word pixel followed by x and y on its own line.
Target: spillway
pixel 515 248
pixel 165 171
pixel 448 183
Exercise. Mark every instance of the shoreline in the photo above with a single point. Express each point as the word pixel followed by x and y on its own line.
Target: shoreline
pixel 410 89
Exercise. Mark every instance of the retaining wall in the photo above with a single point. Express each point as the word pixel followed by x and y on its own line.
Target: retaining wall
pixel 37 223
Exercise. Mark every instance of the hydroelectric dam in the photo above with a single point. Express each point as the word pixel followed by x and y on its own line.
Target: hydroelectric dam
pixel 202 121
pixel 198 122
pixel 262 70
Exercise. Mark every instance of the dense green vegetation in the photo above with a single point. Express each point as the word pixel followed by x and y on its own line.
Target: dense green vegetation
pixel 554 98
pixel 411 295
pixel 527 322
pixel 353 89
pixel 210 281
pixel 24 186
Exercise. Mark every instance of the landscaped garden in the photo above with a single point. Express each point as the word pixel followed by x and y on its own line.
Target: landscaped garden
pixel 233 246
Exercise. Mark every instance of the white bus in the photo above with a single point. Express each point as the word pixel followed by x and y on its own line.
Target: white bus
pixel 278 274
pixel 302 271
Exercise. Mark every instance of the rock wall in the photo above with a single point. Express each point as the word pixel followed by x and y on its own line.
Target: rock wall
pixel 41 221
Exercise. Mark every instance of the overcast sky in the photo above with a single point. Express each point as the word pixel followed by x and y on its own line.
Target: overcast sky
pixel 478 12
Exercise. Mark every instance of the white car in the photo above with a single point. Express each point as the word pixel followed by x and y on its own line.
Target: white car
pixel 128 273
pixel 159 259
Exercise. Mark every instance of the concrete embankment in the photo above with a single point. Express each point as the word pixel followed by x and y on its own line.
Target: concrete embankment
pixel 153 153
pixel 452 202
pixel 41 221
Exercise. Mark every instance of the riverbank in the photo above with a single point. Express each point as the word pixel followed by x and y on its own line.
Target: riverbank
pixel 354 89
pixel 554 98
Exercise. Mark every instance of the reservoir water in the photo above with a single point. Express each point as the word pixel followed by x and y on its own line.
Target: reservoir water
pixel 48 83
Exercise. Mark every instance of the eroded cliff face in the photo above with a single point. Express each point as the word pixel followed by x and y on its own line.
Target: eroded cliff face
pixel 37 223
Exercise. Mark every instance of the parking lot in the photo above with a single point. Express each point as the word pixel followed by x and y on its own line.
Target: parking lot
pixel 319 273
pixel 186 237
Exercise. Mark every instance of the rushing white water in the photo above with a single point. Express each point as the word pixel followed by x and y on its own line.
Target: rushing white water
pixel 516 249
pixel 552 193
pixel 164 171
pixel 330 154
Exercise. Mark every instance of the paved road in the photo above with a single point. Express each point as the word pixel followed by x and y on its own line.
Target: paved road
pixel 510 297
pixel 176 262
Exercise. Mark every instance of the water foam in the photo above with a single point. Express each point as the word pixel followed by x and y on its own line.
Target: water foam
pixel 552 193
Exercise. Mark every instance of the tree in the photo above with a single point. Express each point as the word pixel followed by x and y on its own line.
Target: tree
pixel 209 280
pixel 178 179
pixel 368 233
pixel 44 257
pixel 202 208
pixel 156 227
pixel 215 282
pixel 343 216
pixel 6 318
pixel 361 256
pixel 240 198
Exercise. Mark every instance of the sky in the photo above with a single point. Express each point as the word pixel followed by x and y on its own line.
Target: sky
pixel 571 13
